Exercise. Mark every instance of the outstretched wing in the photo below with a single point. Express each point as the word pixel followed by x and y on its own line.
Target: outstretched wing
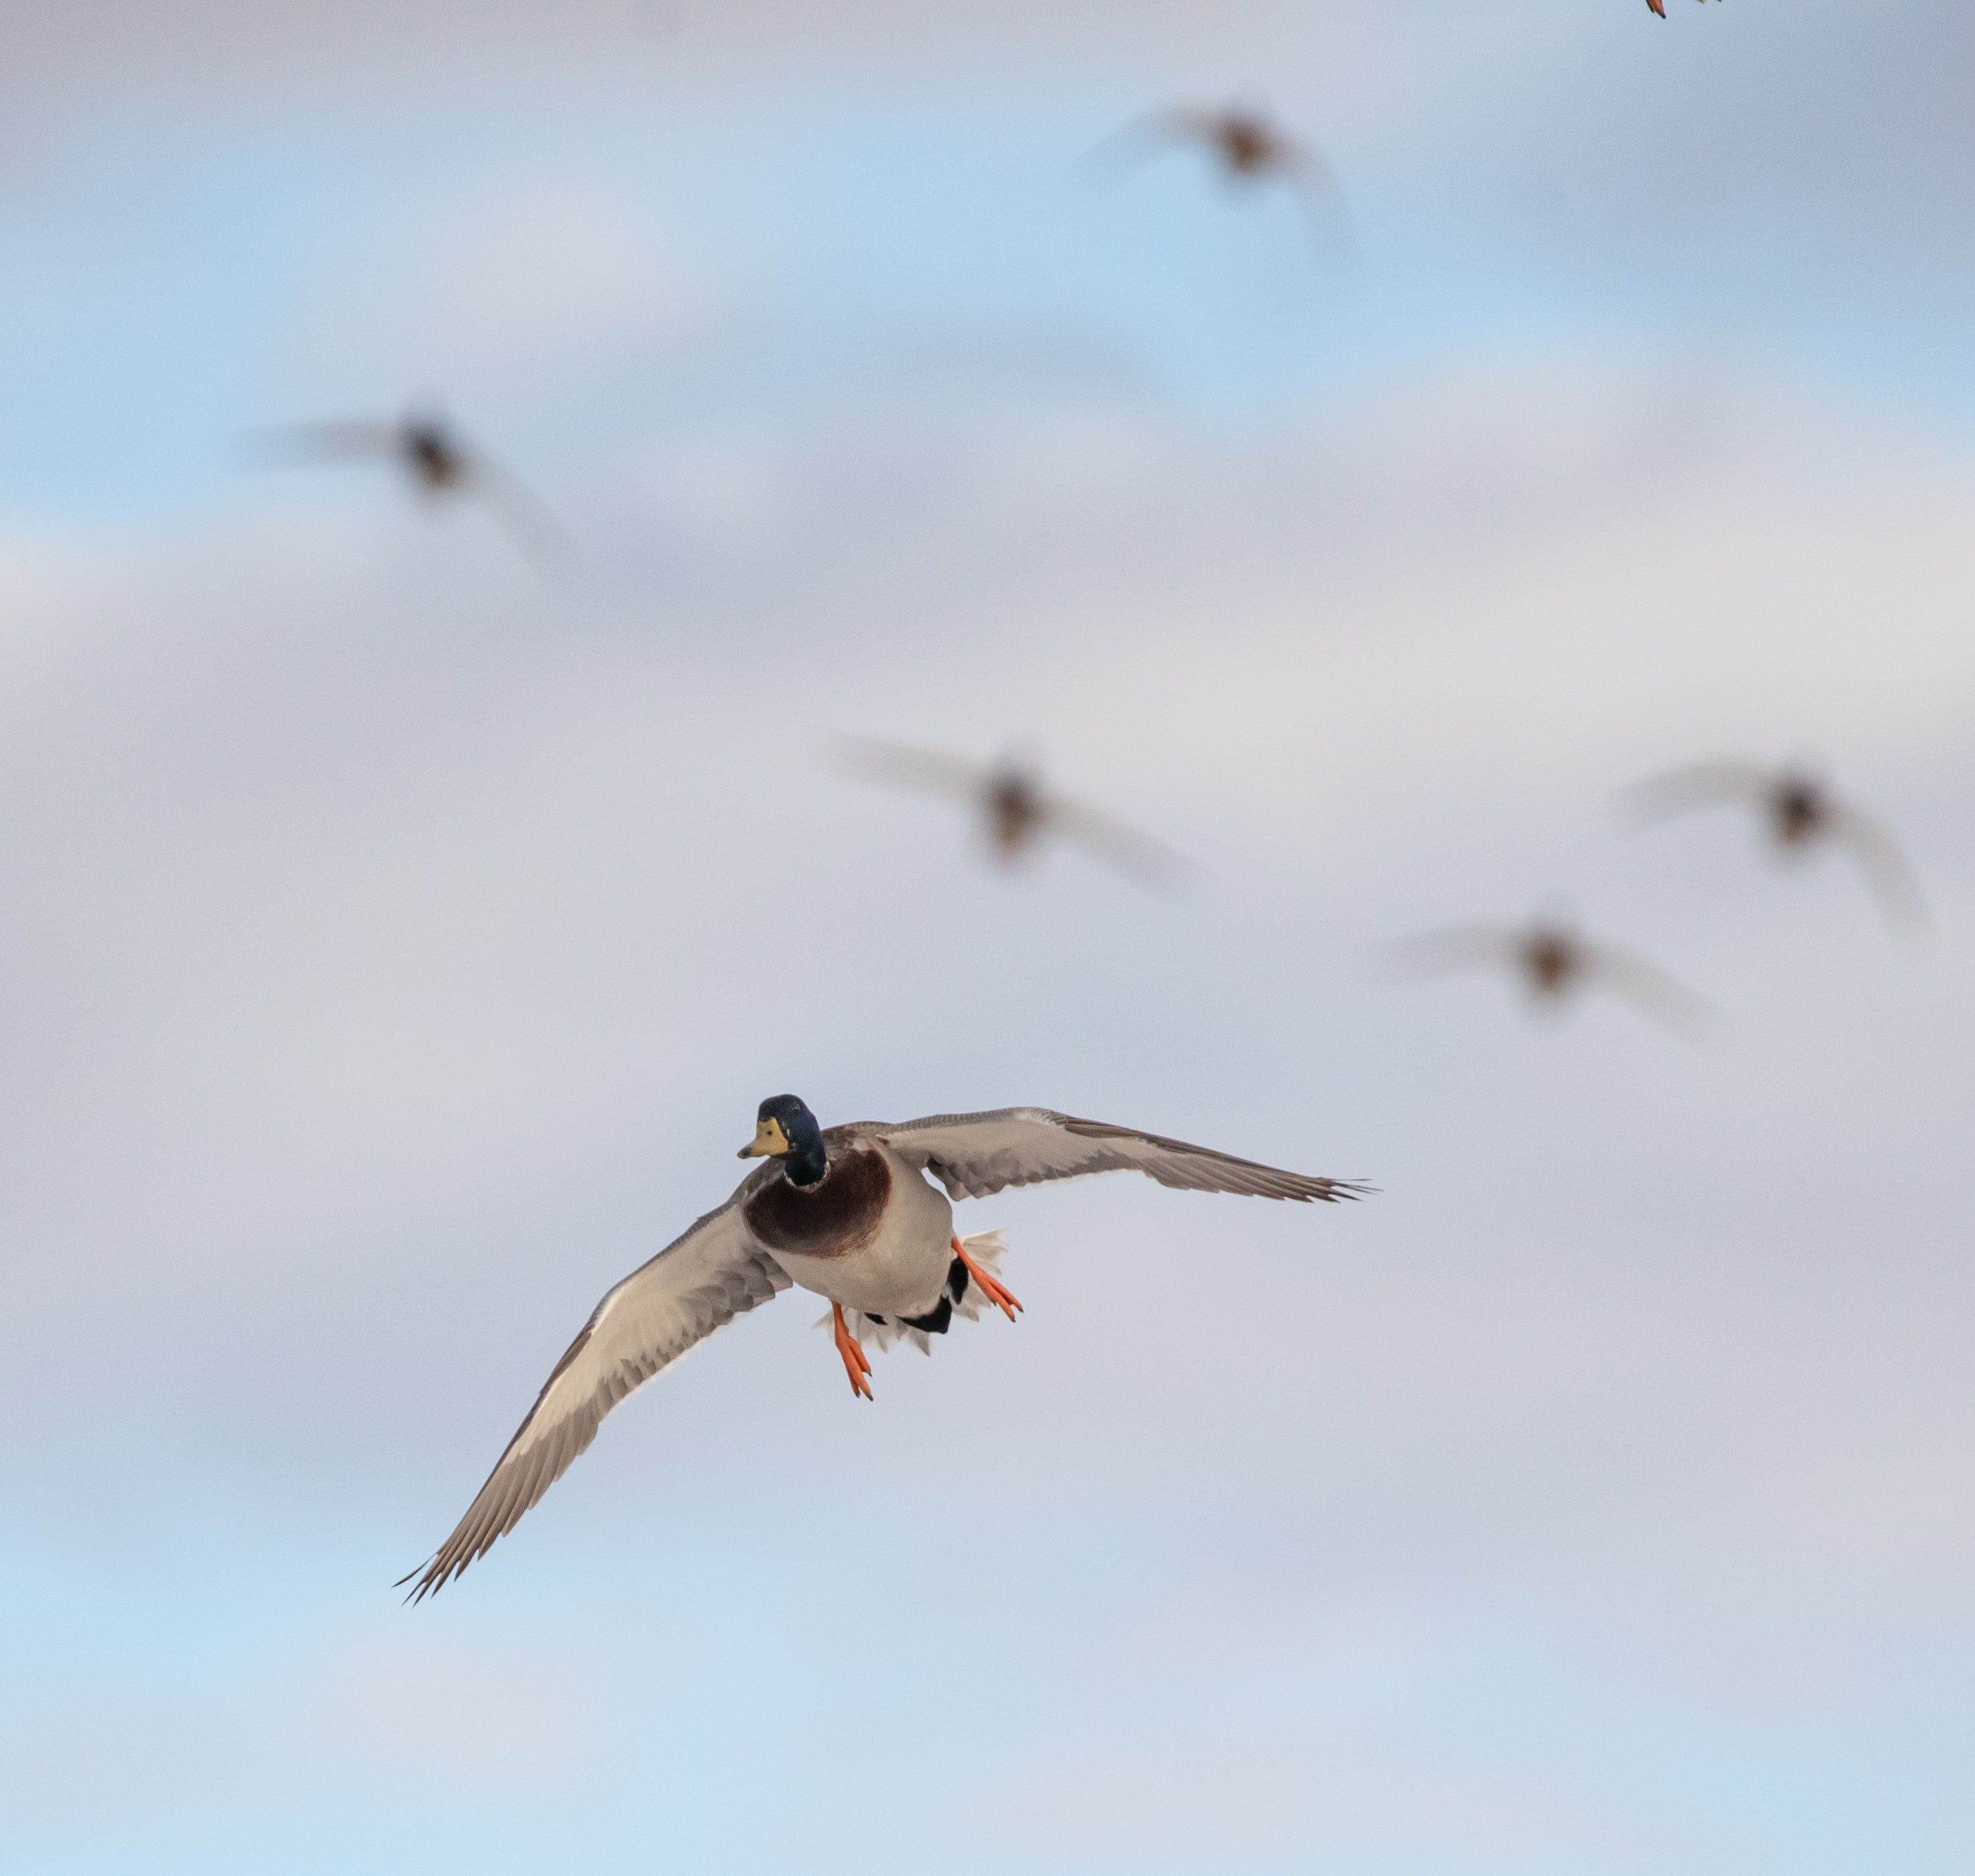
pixel 527 520
pixel 1146 136
pixel 1894 883
pixel 1657 993
pixel 325 442
pixel 697 1284
pixel 973 1154
pixel 1150 861
pixel 1701 785
pixel 899 765
pixel 1455 948
pixel 1326 214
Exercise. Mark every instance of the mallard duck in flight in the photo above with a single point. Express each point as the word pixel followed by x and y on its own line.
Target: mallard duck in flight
pixel 850 1214
pixel 1799 810
pixel 441 464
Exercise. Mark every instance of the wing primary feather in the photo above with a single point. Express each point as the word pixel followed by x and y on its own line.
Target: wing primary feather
pixel 975 1154
pixel 697 1284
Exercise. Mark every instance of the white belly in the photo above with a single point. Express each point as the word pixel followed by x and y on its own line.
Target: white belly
pixel 901 1271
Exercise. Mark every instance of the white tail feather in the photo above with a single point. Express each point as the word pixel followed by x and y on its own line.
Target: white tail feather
pixel 986 1248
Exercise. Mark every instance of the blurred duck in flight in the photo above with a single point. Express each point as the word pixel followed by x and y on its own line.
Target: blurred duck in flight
pixel 1017 812
pixel 440 464
pixel 1798 811
pixel 1250 150
pixel 1556 963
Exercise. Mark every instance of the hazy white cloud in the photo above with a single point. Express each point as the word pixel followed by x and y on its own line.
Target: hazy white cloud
pixel 107 44
pixel 537 273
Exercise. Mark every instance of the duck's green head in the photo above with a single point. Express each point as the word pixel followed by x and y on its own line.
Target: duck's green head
pixel 784 1128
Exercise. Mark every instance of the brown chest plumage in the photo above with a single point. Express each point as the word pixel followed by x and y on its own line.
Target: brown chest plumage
pixel 838 1215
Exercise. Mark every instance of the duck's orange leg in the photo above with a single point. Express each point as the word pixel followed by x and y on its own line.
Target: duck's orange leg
pixel 856 1364
pixel 996 1293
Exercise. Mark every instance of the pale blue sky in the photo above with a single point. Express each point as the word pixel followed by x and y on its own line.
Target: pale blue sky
pixel 396 945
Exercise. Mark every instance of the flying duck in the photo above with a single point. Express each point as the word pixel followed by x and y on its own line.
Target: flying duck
pixel 441 464
pixel 1799 810
pixel 1017 810
pixel 1556 962
pixel 1248 148
pixel 850 1214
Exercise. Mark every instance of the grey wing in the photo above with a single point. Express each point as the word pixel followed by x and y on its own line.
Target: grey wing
pixel 1325 213
pixel 1893 881
pixel 1457 947
pixel 697 1283
pixel 1699 785
pixel 898 765
pixel 973 1154
pixel 523 515
pixel 1144 137
pixel 1647 987
pixel 1147 860
pixel 321 443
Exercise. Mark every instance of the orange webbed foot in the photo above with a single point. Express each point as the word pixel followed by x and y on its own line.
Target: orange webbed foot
pixel 856 1364
pixel 996 1293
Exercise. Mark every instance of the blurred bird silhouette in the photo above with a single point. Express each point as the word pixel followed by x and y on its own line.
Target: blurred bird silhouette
pixel 1799 812
pixel 441 465
pixel 1016 809
pixel 1555 962
pixel 1250 150
pixel 1659 6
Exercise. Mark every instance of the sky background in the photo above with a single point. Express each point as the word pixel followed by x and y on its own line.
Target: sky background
pixel 396 944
